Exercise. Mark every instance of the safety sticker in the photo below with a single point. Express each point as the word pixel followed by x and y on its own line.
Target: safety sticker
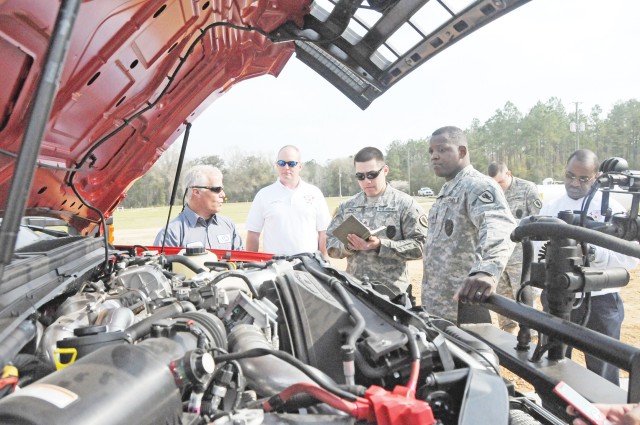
pixel 58 396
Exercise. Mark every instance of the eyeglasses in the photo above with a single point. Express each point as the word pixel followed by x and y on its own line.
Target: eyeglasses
pixel 282 163
pixel 581 179
pixel 214 189
pixel 369 174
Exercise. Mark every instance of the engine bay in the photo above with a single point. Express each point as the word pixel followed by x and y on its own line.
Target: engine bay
pixel 288 340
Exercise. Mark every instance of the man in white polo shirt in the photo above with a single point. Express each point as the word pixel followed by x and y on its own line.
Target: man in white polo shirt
pixel 292 214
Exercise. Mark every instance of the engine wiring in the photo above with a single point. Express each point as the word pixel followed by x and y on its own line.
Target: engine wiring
pixel 282 355
pixel 126 121
pixel 430 320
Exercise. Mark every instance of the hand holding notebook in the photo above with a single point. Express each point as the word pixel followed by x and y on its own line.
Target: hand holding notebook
pixel 352 225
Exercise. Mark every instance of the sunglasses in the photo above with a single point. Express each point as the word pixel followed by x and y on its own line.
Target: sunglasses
pixel 282 163
pixel 581 179
pixel 369 174
pixel 214 189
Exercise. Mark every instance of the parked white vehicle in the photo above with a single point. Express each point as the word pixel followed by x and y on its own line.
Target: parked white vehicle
pixel 425 191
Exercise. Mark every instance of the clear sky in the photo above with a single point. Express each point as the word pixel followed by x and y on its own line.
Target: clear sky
pixel 576 50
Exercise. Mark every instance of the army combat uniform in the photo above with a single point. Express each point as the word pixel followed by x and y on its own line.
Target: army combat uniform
pixel 469 232
pixel 403 239
pixel 523 198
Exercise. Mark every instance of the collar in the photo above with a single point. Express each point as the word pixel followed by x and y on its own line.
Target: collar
pixel 300 184
pixel 192 217
pixel 511 185
pixel 461 174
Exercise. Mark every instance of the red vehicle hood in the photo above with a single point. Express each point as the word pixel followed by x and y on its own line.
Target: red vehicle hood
pixel 120 58
pixel 138 70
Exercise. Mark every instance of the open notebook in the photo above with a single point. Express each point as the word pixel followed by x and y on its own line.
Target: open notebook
pixel 352 225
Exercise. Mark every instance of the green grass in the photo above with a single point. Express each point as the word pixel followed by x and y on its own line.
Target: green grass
pixel 156 217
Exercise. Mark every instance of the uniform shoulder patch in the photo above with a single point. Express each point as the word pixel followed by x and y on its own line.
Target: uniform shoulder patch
pixel 424 222
pixel 486 197
pixel 537 203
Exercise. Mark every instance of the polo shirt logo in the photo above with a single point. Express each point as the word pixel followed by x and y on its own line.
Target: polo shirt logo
pixel 224 238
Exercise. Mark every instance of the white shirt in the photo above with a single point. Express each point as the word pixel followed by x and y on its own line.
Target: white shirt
pixel 604 258
pixel 289 219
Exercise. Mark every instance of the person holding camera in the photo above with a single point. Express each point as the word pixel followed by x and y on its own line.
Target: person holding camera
pixel 607 309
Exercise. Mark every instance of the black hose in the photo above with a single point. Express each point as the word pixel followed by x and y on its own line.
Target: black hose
pixel 143 327
pixel 185 261
pixel 254 265
pixel 477 346
pixel 169 275
pixel 336 285
pixel 446 379
pixel 215 264
pixel 211 324
pixel 241 275
pixel 31 368
pixel 323 382
pixel 16 340
pixel 369 371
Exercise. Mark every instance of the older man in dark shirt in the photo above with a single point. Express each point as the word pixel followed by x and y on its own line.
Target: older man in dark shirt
pixel 200 220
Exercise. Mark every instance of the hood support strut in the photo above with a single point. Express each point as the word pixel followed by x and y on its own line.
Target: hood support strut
pixel 38 116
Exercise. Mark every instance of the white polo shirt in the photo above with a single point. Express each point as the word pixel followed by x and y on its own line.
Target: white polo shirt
pixel 289 219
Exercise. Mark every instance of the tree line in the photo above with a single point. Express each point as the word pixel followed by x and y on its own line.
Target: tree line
pixel 534 145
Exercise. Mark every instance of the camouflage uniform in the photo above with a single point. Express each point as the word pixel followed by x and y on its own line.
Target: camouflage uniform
pixel 523 198
pixel 403 240
pixel 469 232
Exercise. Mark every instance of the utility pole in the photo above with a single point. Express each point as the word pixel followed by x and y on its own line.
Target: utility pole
pixel 576 126
pixel 409 168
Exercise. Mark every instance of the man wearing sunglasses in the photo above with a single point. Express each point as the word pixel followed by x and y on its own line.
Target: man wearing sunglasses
pixel 292 214
pixel 380 259
pixel 469 243
pixel 199 220
pixel 607 310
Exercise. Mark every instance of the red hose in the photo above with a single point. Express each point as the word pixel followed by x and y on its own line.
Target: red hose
pixel 412 385
pixel 358 409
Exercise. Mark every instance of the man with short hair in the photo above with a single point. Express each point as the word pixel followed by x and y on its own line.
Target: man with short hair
pixel 468 244
pixel 292 214
pixel 382 258
pixel 607 309
pixel 524 200
pixel 199 220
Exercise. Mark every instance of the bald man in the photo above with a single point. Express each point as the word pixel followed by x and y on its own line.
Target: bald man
pixel 292 215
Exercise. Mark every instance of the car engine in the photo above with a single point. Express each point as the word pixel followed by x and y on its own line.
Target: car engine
pixel 288 340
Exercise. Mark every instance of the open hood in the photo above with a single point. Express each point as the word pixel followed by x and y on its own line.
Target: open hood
pixel 137 71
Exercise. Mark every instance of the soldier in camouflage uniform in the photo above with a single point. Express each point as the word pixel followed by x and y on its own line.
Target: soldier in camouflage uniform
pixel 469 243
pixel 523 198
pixel 381 258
